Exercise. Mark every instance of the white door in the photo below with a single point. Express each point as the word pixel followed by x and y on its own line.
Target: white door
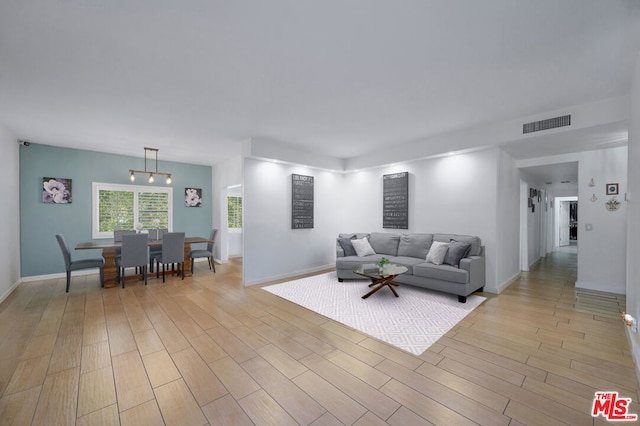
pixel 563 224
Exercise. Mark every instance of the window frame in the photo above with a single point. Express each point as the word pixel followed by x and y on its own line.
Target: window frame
pixel 136 189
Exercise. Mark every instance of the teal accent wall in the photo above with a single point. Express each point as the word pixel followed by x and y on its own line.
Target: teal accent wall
pixel 40 222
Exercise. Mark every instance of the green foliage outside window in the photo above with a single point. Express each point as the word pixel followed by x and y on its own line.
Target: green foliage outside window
pixel 234 208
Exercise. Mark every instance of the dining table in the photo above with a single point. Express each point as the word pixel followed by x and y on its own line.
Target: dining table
pixel 110 249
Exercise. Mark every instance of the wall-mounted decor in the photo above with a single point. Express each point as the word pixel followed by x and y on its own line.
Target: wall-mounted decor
pixel 612 189
pixel 613 204
pixel 193 197
pixel 395 204
pixel 593 198
pixel 301 201
pixel 56 190
pixel 592 183
pixel 530 204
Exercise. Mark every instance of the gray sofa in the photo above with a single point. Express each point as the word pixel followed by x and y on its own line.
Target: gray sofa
pixel 410 250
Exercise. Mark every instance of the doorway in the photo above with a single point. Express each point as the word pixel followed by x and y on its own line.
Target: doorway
pixel 567 223
pixel 234 221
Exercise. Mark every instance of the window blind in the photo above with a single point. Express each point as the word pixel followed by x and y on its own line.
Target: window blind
pixel 122 206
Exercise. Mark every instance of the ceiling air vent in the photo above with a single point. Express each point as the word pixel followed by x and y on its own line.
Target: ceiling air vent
pixel 550 123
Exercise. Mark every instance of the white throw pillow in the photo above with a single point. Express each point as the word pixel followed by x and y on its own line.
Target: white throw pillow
pixel 437 252
pixel 362 247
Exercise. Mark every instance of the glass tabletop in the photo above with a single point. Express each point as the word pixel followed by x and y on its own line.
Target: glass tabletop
pixel 374 271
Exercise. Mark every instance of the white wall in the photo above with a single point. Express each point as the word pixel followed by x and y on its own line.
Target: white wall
pixel 273 250
pixel 633 212
pixel 602 252
pixel 583 117
pixel 10 213
pixel 507 221
pixel 452 194
pixel 534 226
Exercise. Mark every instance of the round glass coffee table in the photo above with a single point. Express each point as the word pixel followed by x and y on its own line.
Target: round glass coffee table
pixel 380 277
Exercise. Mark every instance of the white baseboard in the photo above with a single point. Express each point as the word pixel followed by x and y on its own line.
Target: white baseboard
pixel 59 275
pixel 9 291
pixel 502 287
pixel 288 275
pixel 534 262
pixel 634 344
pixel 615 288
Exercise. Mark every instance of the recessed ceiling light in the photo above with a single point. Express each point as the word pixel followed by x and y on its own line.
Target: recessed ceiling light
pixel 565 181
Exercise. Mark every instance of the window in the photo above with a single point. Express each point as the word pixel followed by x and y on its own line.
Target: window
pixel 122 206
pixel 234 209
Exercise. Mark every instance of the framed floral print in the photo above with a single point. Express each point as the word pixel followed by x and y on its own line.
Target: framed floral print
pixel 193 197
pixel 56 190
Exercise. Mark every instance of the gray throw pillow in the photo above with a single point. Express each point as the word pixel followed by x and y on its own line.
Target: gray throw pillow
pixel 457 251
pixel 346 245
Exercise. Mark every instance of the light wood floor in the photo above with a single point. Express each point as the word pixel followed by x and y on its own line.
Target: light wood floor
pixel 207 351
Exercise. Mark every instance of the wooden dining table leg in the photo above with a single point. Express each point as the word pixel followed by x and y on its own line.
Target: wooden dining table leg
pixel 110 270
pixel 187 260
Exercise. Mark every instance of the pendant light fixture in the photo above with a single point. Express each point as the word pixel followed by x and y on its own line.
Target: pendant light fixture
pixel 151 173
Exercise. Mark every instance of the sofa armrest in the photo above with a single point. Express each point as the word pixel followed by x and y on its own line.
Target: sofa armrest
pixel 475 266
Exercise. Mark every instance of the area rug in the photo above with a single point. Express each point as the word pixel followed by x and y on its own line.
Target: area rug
pixel 411 322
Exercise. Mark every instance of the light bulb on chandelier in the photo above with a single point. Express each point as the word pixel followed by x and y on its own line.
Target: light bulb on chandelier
pixel 151 173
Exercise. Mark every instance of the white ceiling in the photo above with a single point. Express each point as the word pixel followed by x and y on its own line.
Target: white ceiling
pixel 196 78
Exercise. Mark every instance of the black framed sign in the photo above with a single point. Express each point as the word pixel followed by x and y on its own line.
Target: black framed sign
pixel 395 204
pixel 301 201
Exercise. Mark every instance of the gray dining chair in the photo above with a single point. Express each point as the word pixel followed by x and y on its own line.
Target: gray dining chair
pixel 155 234
pixel 172 252
pixel 208 253
pixel 119 233
pixel 117 238
pixel 135 253
pixel 75 265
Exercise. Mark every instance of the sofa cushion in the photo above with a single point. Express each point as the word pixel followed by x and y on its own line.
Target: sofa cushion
pixel 437 252
pixel 476 245
pixel 441 272
pixel 362 247
pixel 352 262
pixel 457 251
pixel 408 262
pixel 415 245
pixel 384 243
pixel 346 245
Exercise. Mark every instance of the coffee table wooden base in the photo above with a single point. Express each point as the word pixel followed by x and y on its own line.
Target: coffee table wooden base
pixel 379 283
